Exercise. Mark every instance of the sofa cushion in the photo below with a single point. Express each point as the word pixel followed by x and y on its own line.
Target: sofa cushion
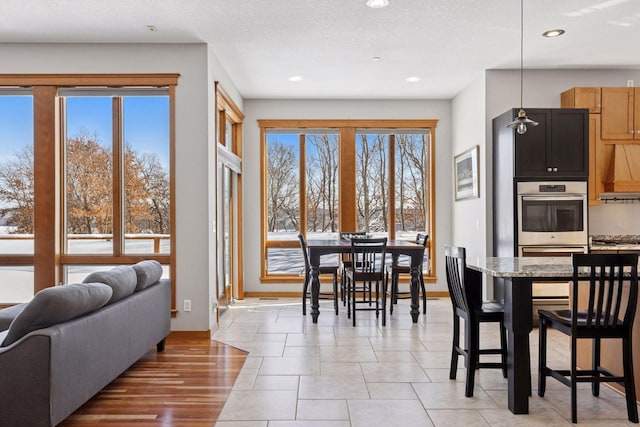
pixel 55 305
pixel 148 273
pixel 8 314
pixel 121 279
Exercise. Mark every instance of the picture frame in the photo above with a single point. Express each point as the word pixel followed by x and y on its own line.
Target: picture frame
pixel 465 170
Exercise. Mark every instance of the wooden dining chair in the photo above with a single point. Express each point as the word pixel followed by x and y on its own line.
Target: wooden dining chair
pixel 465 289
pixel 397 270
pixel 324 269
pixel 603 306
pixel 367 268
pixel 345 261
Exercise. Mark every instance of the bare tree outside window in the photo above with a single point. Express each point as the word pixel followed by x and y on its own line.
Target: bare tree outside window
pixel 283 213
pixel 411 182
pixel 322 183
pixel 372 183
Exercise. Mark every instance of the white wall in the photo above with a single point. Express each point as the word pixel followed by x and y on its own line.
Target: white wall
pixel 470 226
pixel 338 109
pixel 468 130
pixel 193 119
pixel 216 73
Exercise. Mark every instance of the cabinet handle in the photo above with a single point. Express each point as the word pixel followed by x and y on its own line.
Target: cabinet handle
pixel 555 169
pixel 632 131
pixel 549 169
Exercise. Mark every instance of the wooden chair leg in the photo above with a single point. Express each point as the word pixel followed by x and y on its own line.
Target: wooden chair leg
pixel 595 364
pixel 384 300
pixel 542 357
pixel 453 370
pixel 335 292
pixel 305 289
pixel 424 295
pixel 629 383
pixel 574 382
pixel 503 351
pixel 472 332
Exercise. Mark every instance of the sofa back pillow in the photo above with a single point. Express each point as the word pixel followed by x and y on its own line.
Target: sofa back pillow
pixel 148 273
pixel 55 305
pixel 121 279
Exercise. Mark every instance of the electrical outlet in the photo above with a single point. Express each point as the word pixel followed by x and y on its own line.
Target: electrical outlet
pixel 187 305
pixel 629 83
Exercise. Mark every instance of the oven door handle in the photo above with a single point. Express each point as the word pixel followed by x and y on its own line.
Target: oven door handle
pixel 574 250
pixel 548 198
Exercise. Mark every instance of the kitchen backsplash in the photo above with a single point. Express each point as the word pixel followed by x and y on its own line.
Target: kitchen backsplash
pixel 615 218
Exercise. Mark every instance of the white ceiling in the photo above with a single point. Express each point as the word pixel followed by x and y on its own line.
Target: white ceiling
pixel 331 43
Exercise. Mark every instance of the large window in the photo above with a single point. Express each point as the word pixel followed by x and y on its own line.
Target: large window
pixel 138 151
pixel 93 154
pixel 322 177
pixel 16 195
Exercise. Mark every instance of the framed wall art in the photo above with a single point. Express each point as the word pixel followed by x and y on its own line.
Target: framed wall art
pixel 465 168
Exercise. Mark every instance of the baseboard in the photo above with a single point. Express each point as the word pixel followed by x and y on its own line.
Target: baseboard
pixel 194 335
pixel 430 294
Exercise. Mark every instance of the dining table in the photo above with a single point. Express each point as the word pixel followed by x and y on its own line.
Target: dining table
pixel 517 275
pixel 319 247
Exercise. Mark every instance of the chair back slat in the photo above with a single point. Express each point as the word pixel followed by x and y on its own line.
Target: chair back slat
pixel 455 260
pixel 611 282
pixel 368 255
pixel 305 252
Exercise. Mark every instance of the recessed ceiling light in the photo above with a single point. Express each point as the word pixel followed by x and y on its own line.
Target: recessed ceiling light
pixel 377 4
pixel 413 79
pixel 295 78
pixel 152 28
pixel 553 33
pixel 376 58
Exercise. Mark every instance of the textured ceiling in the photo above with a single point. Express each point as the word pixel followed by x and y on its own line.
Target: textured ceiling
pixel 331 43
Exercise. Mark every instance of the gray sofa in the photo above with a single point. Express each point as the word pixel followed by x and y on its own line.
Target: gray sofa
pixel 70 341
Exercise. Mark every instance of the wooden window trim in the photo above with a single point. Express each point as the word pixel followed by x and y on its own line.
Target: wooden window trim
pixel 347 181
pixel 49 258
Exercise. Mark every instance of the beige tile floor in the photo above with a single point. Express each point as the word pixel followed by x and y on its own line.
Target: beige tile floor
pixel 331 374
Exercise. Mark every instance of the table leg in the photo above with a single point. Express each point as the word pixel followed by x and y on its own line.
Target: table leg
pixel 315 291
pixel 415 291
pixel 517 312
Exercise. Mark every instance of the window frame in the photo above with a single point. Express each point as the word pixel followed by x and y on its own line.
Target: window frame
pixel 347 182
pixel 49 258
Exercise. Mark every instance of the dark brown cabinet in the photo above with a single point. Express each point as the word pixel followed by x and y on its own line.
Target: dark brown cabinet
pixel 557 148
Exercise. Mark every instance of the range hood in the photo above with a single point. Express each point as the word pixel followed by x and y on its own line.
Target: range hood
pixel 624 172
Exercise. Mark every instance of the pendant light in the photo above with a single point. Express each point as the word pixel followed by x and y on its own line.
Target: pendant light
pixel 520 123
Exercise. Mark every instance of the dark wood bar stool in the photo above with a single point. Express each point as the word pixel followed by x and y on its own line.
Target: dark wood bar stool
pixel 324 269
pixel 345 261
pixel 397 270
pixel 604 296
pixel 465 289
pixel 367 268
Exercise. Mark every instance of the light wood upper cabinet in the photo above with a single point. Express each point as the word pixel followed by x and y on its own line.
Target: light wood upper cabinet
pixel 582 97
pixel 620 113
pixel 596 185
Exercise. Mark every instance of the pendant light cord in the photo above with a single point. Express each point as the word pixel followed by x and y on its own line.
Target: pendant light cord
pixel 521 50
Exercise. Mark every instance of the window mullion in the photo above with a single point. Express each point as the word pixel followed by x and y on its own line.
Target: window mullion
pixel 303 184
pixel 118 177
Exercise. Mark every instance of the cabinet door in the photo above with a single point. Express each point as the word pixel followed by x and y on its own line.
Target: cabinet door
pixel 531 147
pixel 617 113
pixel 596 185
pixel 581 97
pixel 569 149
pixel 636 113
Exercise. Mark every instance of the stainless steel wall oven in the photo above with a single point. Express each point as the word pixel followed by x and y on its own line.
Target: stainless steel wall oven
pixel 552 213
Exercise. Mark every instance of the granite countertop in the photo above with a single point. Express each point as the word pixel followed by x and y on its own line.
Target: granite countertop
pixel 614 242
pixel 523 267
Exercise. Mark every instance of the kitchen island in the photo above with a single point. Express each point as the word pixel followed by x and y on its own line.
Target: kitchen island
pixel 518 275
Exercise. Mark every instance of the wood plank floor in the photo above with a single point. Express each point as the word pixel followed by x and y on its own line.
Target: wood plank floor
pixel 185 386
